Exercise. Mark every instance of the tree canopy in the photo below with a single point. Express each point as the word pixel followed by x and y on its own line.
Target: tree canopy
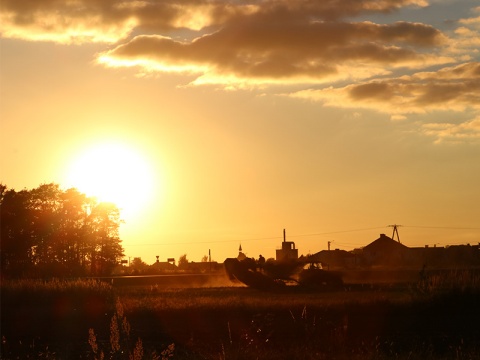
pixel 48 232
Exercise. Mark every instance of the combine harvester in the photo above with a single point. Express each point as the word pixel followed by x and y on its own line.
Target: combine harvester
pixel 287 270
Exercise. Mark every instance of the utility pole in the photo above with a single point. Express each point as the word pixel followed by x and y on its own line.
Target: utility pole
pixel 395 231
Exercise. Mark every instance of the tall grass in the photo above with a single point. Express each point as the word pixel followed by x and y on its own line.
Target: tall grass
pixel 121 345
pixel 452 281
pixel 35 306
pixel 241 323
pixel 26 287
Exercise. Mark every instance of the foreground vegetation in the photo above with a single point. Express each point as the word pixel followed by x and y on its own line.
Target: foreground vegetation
pixel 436 318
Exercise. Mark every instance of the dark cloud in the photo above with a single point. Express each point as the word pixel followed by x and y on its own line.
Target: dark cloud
pixel 371 90
pixel 453 88
pixel 246 42
pixel 112 20
pixel 328 9
pixel 238 43
pixel 289 50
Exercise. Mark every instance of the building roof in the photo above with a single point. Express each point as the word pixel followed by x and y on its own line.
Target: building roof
pixel 385 243
pixel 334 253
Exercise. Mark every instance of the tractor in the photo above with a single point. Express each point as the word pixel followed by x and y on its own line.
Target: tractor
pixel 287 270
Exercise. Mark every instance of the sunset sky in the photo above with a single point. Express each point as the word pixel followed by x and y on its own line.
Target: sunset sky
pixel 219 123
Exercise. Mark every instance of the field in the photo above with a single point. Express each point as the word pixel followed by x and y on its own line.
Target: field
pixel 148 318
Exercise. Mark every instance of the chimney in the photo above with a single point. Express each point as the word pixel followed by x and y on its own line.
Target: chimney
pixel 284 236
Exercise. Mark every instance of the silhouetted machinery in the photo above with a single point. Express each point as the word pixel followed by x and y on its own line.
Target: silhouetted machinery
pixel 288 268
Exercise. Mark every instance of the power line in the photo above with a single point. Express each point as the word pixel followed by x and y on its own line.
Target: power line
pixel 256 239
pixel 442 227
pixel 337 232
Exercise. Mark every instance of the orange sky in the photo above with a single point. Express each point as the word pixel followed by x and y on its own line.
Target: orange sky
pixel 318 117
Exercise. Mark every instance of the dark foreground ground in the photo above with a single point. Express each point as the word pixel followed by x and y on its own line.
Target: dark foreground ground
pixel 86 319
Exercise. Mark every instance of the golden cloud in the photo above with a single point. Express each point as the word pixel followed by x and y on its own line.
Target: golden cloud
pixel 453 88
pixel 454 133
pixel 109 21
pixel 259 52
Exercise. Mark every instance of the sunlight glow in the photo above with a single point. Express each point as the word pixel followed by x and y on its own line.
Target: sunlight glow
pixel 52 27
pixel 150 65
pixel 116 173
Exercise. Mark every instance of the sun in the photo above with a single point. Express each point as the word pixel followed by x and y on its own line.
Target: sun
pixel 114 172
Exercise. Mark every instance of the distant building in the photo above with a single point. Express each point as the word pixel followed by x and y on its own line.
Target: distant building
pixel 334 259
pixel 288 251
pixel 241 256
pixel 204 267
pixel 454 256
pixel 161 266
pixel 384 251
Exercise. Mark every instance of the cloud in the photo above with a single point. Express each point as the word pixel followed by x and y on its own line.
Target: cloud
pixel 454 133
pixel 285 52
pixel 253 43
pixel 454 88
pixel 474 21
pixel 466 38
pixel 109 21
pixel 244 43
pixel 259 42
pixel 64 21
pixel 235 43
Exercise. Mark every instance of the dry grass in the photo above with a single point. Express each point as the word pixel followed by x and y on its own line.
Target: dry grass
pixel 434 319
pixel 437 283
pixel 225 298
pixel 54 286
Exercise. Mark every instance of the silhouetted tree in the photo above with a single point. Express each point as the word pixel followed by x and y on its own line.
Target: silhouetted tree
pixel 72 233
pixel 183 262
pixel 16 236
pixel 50 232
pixel 46 219
pixel 103 238
pixel 138 266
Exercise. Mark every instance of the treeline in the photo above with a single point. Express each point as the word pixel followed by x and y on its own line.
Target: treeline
pixel 50 232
